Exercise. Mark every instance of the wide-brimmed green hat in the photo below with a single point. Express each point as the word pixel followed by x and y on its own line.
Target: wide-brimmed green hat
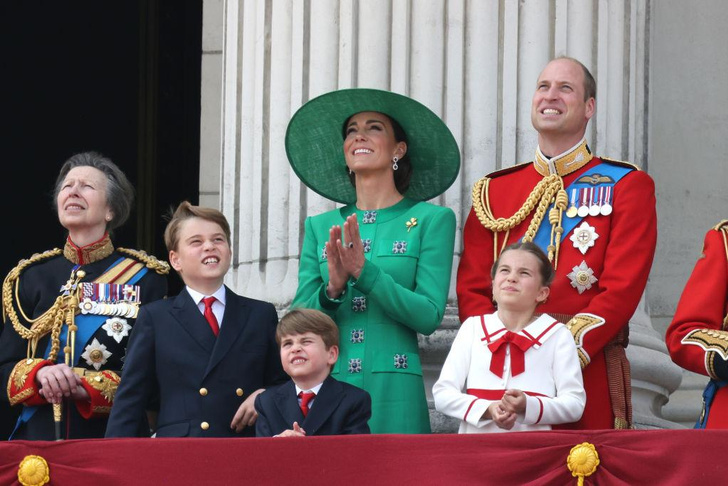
pixel 314 143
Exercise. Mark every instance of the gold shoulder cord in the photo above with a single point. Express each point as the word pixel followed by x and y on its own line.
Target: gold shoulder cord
pixel 50 321
pixel 549 189
pixel 153 263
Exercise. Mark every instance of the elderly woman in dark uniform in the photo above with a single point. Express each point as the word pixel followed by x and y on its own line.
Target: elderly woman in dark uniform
pixel 68 312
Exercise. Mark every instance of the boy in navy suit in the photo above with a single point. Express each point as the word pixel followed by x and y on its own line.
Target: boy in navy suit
pixel 207 353
pixel 312 403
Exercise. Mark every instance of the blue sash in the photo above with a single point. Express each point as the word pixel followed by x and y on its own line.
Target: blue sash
pixel 87 326
pixel 615 172
pixel 708 396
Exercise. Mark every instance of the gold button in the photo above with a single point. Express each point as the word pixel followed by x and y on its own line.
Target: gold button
pixel 203 392
pixel 239 392
pixel 204 426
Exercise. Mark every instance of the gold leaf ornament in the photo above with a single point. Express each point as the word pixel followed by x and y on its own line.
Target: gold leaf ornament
pixel 583 461
pixel 411 224
pixel 33 471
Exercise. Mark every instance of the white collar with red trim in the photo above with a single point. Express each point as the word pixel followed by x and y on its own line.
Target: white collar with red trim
pixel 538 331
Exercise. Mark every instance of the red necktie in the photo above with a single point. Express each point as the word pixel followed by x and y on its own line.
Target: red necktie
pixel 519 345
pixel 306 398
pixel 210 316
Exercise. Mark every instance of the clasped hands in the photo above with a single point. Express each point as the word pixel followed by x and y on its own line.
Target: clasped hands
pixel 504 412
pixel 345 261
pixel 59 381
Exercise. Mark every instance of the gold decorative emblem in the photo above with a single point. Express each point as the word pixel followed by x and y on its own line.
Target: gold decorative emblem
pixel 582 277
pixel 105 385
pixel 96 354
pixel 411 224
pixel 583 461
pixel 595 179
pixel 21 370
pixel 33 471
pixel 709 340
pixel 579 325
pixel 583 237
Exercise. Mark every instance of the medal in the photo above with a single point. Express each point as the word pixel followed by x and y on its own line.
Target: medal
pixel 606 205
pixel 582 277
pixel 572 211
pixel 583 210
pixel 593 207
pixel 583 237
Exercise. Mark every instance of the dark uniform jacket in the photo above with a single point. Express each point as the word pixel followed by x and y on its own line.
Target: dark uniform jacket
pixel 100 357
pixel 338 409
pixel 201 379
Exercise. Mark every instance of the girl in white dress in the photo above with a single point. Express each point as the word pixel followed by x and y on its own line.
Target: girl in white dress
pixel 513 370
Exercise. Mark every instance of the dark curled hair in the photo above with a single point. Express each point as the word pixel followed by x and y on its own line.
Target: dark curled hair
pixel 403 174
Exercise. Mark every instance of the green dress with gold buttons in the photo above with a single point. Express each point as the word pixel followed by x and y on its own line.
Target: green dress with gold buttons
pixel 402 291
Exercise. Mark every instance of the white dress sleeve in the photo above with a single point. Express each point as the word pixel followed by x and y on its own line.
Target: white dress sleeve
pixel 449 390
pixel 568 404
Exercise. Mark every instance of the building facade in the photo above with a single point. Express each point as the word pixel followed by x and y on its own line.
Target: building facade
pixel 475 64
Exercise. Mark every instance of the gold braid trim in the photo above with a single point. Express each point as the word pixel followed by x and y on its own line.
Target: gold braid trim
pixel 50 321
pixel 152 262
pixel 709 340
pixel 549 189
pixel 579 325
pixel 106 382
pixel 710 357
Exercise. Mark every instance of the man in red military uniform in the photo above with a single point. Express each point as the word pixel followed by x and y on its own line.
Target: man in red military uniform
pixel 596 220
pixel 697 337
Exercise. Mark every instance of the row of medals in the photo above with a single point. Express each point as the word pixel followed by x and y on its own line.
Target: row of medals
pixel 593 201
pixel 117 309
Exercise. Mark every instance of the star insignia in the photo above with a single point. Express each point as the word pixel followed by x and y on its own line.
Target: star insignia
pixel 582 277
pixel 583 237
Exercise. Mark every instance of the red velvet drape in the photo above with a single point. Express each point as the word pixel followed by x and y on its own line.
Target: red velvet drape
pixel 529 458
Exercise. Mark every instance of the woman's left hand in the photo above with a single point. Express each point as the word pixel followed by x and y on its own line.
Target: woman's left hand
pixel 352 253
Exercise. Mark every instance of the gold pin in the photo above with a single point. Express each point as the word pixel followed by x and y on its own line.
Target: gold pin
pixel 411 224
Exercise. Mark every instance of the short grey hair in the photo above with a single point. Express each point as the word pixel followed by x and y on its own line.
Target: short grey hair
pixel 119 191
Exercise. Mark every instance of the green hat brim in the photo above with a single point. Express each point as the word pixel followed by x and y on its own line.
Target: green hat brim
pixel 314 143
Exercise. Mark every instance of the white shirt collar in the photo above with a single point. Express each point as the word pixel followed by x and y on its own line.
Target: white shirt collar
pixel 314 389
pixel 197 297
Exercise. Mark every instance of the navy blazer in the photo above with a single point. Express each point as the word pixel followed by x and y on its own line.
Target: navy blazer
pixel 199 380
pixel 339 409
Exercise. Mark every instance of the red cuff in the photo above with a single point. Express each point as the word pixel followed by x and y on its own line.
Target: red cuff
pixel 101 387
pixel 22 387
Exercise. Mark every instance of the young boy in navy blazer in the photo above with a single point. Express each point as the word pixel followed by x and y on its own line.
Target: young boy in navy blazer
pixel 312 403
pixel 205 354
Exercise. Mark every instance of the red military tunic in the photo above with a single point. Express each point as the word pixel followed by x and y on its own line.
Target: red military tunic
pixel 620 261
pixel 697 339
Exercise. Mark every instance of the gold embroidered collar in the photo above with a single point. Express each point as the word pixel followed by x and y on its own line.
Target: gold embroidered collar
pixel 573 159
pixel 89 253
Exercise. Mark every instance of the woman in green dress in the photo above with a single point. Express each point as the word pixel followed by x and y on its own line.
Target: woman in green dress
pixel 379 266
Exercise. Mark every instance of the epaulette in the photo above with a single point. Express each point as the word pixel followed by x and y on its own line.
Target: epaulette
pixel 508 170
pixel 723 224
pixel 619 162
pixel 152 262
pixel 14 274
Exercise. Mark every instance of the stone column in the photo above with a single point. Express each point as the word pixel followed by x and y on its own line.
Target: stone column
pixel 475 63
